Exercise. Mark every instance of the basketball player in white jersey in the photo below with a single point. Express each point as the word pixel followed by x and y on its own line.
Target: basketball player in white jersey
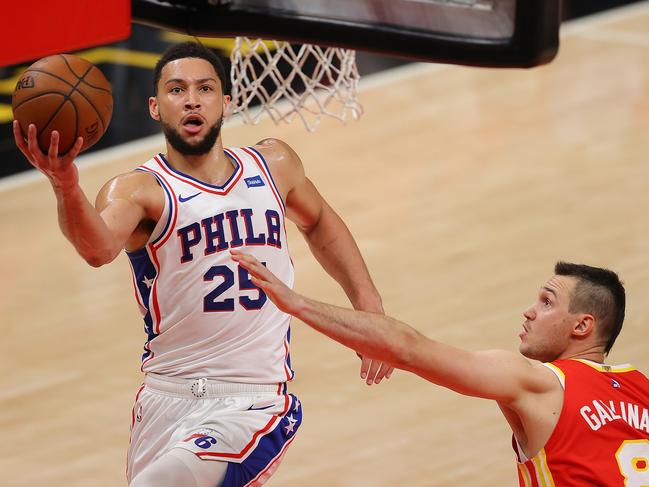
pixel 213 409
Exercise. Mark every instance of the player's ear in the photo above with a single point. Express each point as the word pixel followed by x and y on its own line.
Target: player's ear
pixel 227 107
pixel 584 326
pixel 153 108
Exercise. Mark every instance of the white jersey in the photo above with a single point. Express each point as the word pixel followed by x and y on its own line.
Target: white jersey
pixel 202 315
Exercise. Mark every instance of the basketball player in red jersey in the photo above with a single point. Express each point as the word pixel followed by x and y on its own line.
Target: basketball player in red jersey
pixel 214 408
pixel 576 422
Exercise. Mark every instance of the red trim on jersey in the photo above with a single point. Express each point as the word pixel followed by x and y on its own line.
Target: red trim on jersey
pixel 138 296
pixel 289 374
pixel 154 290
pixel 173 209
pixel 273 421
pixel 203 186
pixel 148 349
pixel 262 168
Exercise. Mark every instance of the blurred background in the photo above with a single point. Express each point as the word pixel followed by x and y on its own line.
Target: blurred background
pixel 128 67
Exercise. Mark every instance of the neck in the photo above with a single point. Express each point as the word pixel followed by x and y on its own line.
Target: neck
pixel 594 354
pixel 214 167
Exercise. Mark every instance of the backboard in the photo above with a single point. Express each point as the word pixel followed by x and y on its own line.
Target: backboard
pixel 490 33
pixel 35 29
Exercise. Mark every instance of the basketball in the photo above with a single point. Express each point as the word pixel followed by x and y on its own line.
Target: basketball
pixel 64 93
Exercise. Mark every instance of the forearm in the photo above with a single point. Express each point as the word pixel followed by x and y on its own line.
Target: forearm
pixel 335 249
pixel 492 374
pixel 83 226
pixel 371 334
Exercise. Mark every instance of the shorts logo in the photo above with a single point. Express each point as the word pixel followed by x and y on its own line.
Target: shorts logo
pixel 138 416
pixel 201 440
pixel 254 181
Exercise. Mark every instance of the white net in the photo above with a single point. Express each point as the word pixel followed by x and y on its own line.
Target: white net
pixel 284 81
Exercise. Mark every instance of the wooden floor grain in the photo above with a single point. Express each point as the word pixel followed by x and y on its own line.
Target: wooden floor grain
pixel 462 186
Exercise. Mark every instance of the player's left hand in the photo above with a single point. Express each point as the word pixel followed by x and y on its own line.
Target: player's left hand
pixel 374 371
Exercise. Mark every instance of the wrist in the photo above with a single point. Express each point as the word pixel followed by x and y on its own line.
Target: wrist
pixel 64 185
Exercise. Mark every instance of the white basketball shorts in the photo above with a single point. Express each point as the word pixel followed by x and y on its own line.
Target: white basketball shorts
pixel 248 425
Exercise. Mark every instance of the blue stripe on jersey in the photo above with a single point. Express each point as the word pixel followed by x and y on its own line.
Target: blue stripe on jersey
pixel 144 273
pixel 183 175
pixel 263 161
pixel 170 199
pixel 268 449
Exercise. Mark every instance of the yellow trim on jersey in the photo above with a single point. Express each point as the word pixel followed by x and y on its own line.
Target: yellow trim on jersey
pixel 558 372
pixel 525 474
pixel 543 474
pixel 606 367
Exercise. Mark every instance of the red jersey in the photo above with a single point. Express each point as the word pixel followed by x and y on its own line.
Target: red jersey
pixel 602 435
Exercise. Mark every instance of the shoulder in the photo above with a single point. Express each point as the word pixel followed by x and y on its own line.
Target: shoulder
pixel 548 376
pixel 283 162
pixel 278 154
pixel 138 187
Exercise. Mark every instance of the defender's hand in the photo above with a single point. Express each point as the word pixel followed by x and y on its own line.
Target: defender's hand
pixel 373 371
pixel 279 293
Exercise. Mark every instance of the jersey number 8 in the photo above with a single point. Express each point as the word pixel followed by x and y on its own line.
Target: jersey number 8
pixel 633 461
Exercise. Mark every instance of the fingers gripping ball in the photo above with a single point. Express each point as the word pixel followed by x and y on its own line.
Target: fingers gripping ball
pixel 64 93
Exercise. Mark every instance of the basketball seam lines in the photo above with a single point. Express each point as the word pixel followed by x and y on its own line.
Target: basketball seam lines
pixel 82 80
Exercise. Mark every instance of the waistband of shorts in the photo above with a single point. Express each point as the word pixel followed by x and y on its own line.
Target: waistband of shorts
pixel 202 387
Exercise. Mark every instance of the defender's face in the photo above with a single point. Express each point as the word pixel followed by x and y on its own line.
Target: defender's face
pixel 189 98
pixel 548 322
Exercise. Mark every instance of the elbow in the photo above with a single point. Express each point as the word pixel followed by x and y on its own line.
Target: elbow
pixel 98 259
pixel 94 262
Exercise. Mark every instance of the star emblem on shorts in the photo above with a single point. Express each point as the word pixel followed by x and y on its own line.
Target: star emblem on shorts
pixel 290 428
pixel 147 282
pixel 297 405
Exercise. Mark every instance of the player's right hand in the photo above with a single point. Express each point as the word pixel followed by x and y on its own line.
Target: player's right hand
pixel 59 169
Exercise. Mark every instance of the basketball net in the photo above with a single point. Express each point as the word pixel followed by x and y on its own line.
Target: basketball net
pixel 293 80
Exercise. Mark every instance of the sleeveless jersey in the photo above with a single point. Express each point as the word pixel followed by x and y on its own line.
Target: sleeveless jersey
pixel 202 314
pixel 602 435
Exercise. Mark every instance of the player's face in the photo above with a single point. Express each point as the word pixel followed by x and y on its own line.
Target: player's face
pixel 548 322
pixel 189 105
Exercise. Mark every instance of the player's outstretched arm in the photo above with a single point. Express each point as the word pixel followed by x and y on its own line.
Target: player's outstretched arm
pixel 328 237
pixel 97 240
pixel 499 375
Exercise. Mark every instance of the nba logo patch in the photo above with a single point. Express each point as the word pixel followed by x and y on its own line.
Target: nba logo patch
pixel 615 384
pixel 254 181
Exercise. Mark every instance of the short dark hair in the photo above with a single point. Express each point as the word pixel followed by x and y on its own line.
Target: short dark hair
pixel 599 292
pixel 185 50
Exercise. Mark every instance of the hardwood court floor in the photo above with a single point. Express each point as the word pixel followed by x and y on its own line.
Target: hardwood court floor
pixel 462 186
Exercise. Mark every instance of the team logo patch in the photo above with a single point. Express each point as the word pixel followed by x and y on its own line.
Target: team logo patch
pixel 615 384
pixel 254 181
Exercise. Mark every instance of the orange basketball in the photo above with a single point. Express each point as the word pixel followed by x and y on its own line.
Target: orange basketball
pixel 64 93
